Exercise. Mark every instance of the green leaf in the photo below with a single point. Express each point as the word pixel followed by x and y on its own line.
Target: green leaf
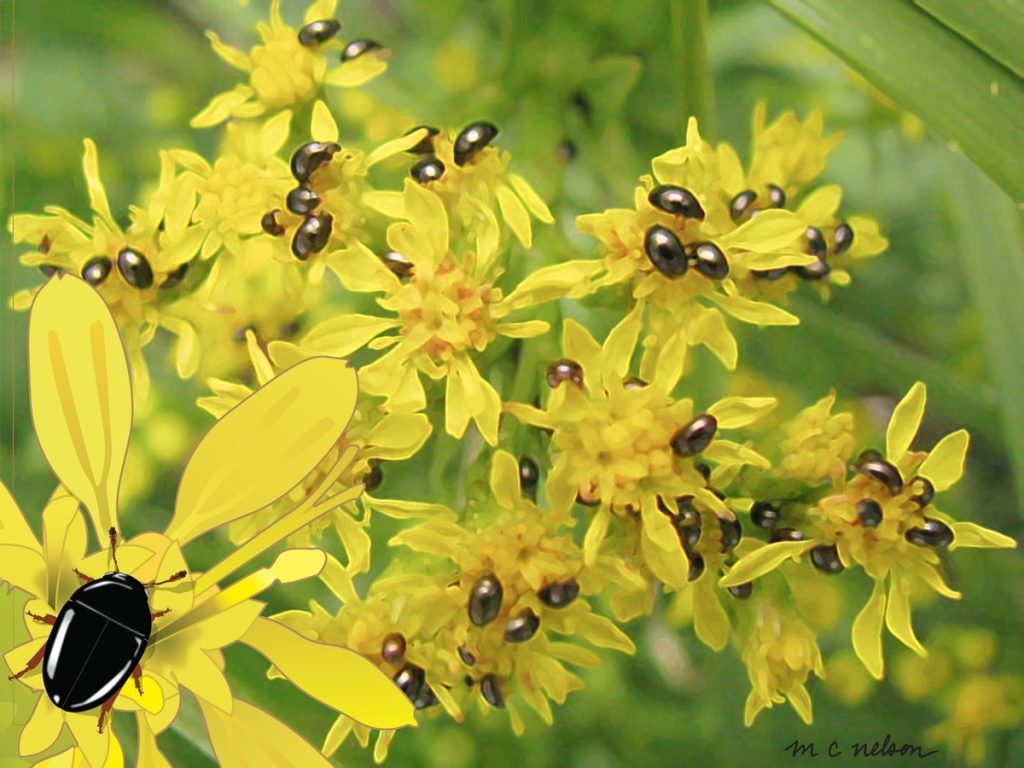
pixel 960 92
pixel 993 26
pixel 990 246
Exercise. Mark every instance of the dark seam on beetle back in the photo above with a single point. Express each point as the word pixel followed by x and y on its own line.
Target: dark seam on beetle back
pixel 99 635
pixel 112 621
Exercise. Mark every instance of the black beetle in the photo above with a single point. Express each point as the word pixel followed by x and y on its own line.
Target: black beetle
pixel 97 640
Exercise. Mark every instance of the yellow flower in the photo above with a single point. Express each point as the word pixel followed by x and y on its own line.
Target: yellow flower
pixel 883 520
pixel 628 448
pixel 289 67
pixel 482 179
pixel 82 411
pixel 346 204
pixel 780 651
pixel 445 308
pixel 814 441
pixel 376 435
pixel 135 269
pixel 243 183
pixel 483 625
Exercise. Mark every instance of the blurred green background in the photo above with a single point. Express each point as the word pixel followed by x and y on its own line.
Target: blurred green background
pixel 613 79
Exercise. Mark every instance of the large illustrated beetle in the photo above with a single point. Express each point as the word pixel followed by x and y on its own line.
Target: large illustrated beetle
pixel 97 640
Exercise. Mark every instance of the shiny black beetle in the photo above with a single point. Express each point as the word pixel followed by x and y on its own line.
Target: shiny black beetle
pixel 97 640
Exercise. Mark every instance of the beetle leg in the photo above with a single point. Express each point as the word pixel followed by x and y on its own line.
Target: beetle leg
pixel 83 577
pixel 48 619
pixel 32 663
pixel 137 678
pixel 173 577
pixel 158 614
pixel 113 547
pixel 107 706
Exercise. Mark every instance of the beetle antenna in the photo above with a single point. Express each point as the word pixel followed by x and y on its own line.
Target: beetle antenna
pixel 174 577
pixel 113 548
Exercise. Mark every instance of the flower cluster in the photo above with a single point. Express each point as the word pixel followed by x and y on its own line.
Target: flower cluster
pixel 562 484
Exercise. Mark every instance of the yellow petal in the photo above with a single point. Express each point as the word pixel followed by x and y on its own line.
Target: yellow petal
pixel 530 198
pixel 403 510
pixel 728 452
pixel 669 565
pixel 457 409
pixel 343 335
pixel 800 700
pixel 767 231
pixel 906 418
pixel 505 479
pixel 14 529
pixel 945 462
pixel 360 270
pixel 197 671
pixel 427 214
pixel 322 126
pixel 151 699
pixel 97 194
pixel 763 560
pixel 395 146
pixel 398 435
pixel 356 542
pixel 337 677
pixel 735 412
pixel 356 72
pixel 821 204
pixel 23 568
pixel 222 106
pixel 553 282
pixel 710 329
pixel 897 616
pixel 581 348
pixel 264 446
pixel 250 737
pixel 80 393
pixel 515 215
pixel 42 727
pixel 596 532
pixel 274 133
pixel 617 350
pixel 710 621
pixel 524 330
pixel 755 312
pixel 232 56
pixel 867 632
pixel 972 535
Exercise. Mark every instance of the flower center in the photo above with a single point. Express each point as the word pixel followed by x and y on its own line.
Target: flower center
pixel 234 196
pixel 284 71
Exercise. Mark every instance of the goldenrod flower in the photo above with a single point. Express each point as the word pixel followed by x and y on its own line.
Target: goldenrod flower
pixel 135 269
pixel 813 441
pixel 483 624
pixel 245 181
pixel 332 181
pixel 884 521
pixel 446 309
pixel 376 435
pixel 780 652
pixel 621 444
pixel 82 411
pixel 289 67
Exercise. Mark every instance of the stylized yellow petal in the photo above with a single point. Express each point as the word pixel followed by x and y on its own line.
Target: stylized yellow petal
pixel 322 126
pixel 903 424
pixel 264 446
pixel 515 215
pixel 505 479
pixel 249 737
pixel 735 412
pixel 762 561
pixel 337 677
pixel 42 727
pixel 64 542
pixel 96 747
pixel 81 394
pixel 972 535
pixel 867 632
pixel 945 462
pixel 150 755
pixel 197 671
pixel 897 616
pixel 710 621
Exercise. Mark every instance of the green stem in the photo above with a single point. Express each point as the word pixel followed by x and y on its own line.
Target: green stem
pixel 689 20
